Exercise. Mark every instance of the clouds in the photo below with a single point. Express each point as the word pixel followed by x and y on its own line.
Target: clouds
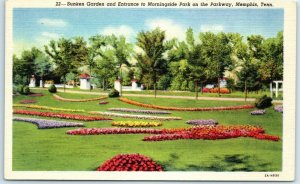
pixel 53 22
pixel 172 29
pixel 215 28
pixel 124 30
pixel 45 37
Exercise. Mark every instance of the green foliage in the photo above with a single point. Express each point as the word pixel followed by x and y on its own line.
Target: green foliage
pixel 23 89
pixel 26 90
pixel 52 89
pixel 263 102
pixel 114 93
pixel 164 82
pixel 151 61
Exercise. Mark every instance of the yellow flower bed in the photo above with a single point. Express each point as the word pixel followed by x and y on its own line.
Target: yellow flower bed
pixel 47 108
pixel 136 124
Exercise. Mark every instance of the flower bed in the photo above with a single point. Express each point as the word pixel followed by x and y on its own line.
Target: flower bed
pixel 60 115
pixel 198 132
pixel 27 101
pixel 77 100
pixel 36 94
pixel 99 131
pixel 139 111
pixel 278 108
pixel 186 109
pixel 162 118
pixel 212 133
pixel 130 162
pixel 222 90
pixel 202 122
pixel 136 124
pixel 45 123
pixel 47 108
pixel 103 102
pixel 258 112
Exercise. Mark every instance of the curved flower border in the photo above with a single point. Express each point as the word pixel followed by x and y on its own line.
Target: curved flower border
pixel 186 109
pixel 139 111
pixel 77 100
pixel 198 132
pixel 28 101
pixel 162 118
pixel 46 123
pixel 48 108
pixel 130 162
pixel 61 115
pixel 136 124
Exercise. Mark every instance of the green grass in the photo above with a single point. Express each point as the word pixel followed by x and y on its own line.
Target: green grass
pixel 53 150
pixel 234 94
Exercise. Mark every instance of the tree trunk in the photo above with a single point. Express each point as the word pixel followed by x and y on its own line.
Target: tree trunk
pixel 219 87
pixel 64 83
pixel 121 80
pixel 90 76
pixel 155 89
pixel 103 84
pixel 202 88
pixel 42 82
pixel 245 90
pixel 196 89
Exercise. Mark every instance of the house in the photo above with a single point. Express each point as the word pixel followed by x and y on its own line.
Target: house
pixel 85 81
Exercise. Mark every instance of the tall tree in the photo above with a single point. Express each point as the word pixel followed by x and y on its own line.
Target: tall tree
pixel 216 51
pixel 152 61
pixel 122 53
pixel 43 66
pixel 24 66
pixel 66 56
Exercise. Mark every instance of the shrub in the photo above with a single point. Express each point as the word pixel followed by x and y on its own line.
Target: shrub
pixel 114 93
pixel 52 89
pixel 263 102
pixel 26 90
pixel 20 89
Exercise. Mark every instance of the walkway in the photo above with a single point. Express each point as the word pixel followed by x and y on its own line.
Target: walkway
pixel 161 96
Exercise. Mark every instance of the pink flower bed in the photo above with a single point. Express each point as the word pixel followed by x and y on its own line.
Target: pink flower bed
pixel 198 132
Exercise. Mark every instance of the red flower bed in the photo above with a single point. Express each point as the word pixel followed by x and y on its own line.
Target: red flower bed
pixel 98 131
pixel 205 90
pixel 27 101
pixel 77 100
pixel 36 94
pixel 130 162
pixel 186 109
pixel 222 90
pixel 212 133
pixel 198 132
pixel 60 115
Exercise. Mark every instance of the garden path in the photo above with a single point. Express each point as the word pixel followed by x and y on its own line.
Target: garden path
pixel 162 96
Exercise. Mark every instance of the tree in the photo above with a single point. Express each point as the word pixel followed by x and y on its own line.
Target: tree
pixel 24 66
pixel 67 55
pixel 122 53
pixel 95 52
pixel 272 60
pixel 42 66
pixel 216 51
pixel 152 61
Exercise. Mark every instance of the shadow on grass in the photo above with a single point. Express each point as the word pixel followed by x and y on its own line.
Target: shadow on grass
pixel 235 162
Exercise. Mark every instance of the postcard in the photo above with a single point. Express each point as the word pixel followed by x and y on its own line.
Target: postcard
pixel 187 90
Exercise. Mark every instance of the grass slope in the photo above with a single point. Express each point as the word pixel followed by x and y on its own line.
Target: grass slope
pixel 53 150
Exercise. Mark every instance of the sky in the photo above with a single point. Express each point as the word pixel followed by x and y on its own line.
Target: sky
pixel 36 27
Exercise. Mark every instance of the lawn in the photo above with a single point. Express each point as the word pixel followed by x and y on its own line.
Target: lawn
pixel 234 94
pixel 53 150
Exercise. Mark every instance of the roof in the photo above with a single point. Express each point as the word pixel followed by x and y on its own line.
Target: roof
pixel 84 76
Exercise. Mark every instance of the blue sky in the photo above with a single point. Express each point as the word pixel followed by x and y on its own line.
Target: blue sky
pixel 35 27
